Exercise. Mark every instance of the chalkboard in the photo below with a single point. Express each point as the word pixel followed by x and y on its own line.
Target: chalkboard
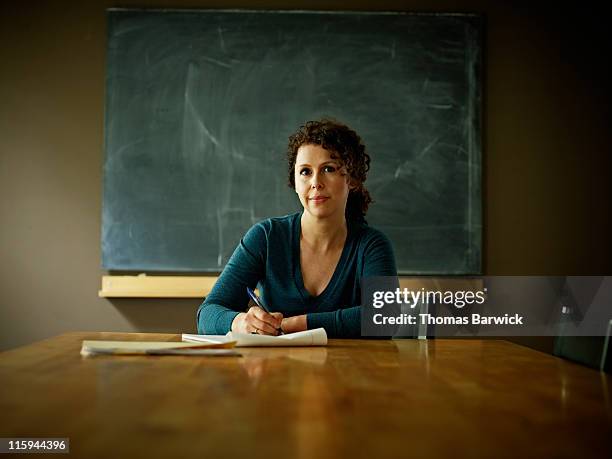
pixel 199 106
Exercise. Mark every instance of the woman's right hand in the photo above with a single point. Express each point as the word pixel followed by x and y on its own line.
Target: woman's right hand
pixel 256 320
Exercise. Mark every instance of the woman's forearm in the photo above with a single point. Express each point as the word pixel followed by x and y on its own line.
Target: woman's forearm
pixel 294 324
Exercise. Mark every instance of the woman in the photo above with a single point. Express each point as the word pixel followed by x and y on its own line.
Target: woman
pixel 308 265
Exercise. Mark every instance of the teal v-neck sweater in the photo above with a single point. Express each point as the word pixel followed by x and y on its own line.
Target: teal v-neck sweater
pixel 268 257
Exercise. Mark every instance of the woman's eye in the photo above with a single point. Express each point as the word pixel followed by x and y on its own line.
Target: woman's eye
pixel 305 171
pixel 329 169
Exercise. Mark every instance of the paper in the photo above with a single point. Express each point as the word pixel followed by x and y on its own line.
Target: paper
pixel 93 347
pixel 316 337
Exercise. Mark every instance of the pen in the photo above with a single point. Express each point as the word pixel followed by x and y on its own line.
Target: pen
pixel 259 303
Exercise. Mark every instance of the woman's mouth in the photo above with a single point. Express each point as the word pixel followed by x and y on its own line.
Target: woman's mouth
pixel 318 199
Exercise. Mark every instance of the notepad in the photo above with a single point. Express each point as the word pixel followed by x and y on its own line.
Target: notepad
pixel 93 347
pixel 316 337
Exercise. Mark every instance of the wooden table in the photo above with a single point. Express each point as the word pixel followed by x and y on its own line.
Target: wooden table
pixel 353 398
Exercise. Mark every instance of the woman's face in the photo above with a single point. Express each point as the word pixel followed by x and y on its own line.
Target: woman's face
pixel 321 182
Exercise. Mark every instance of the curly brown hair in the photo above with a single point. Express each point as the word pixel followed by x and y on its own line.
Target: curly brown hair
pixel 345 145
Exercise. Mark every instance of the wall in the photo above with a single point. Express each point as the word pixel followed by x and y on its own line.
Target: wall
pixel 546 156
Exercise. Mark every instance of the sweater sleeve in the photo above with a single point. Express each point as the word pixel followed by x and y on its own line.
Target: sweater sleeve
pixel 245 268
pixel 378 260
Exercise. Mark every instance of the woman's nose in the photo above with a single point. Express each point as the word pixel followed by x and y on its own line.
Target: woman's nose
pixel 315 182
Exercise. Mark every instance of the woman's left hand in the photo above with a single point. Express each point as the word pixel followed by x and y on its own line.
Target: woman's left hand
pixel 294 324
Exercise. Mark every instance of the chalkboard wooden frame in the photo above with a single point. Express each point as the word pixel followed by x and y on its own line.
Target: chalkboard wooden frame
pixel 199 105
